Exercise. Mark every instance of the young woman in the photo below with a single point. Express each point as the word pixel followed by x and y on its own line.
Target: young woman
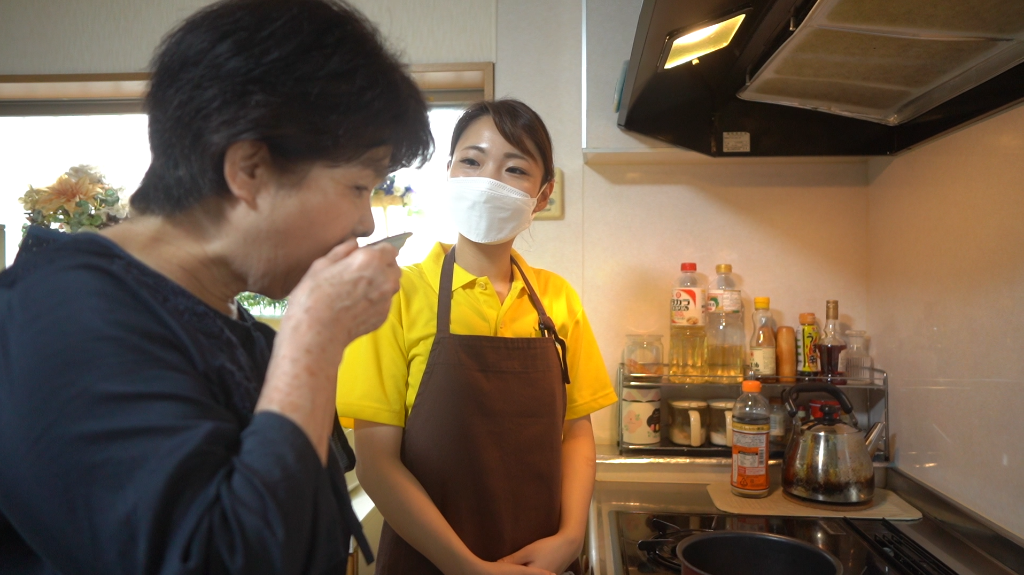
pixel 472 402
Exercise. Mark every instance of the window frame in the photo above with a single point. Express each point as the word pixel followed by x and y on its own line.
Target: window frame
pixel 123 93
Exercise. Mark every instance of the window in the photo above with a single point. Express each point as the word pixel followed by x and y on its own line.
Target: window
pixel 38 149
pixel 51 123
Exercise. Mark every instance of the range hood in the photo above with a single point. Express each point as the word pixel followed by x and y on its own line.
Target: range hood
pixel 819 77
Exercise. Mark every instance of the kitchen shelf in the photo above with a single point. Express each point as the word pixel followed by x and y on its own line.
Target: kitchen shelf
pixel 869 396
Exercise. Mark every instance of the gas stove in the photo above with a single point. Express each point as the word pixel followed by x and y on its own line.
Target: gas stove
pixel 863 546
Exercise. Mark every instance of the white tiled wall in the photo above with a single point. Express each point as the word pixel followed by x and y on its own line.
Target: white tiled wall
pixel 793 232
pixel 946 308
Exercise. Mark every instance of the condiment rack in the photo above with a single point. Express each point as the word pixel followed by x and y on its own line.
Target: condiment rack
pixel 868 396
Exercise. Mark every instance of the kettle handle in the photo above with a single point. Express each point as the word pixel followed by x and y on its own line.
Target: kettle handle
pixel 790 394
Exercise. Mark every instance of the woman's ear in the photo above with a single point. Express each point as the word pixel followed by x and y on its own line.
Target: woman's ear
pixel 246 169
pixel 544 196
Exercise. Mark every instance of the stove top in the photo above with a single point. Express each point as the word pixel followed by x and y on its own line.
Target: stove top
pixel 863 546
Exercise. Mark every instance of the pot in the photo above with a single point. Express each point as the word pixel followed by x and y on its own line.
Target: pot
pixel 750 553
pixel 828 461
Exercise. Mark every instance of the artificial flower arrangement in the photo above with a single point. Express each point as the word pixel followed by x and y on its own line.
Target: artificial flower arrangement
pixel 79 200
pixel 388 194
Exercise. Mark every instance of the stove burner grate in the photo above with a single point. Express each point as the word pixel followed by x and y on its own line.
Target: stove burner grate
pixel 903 551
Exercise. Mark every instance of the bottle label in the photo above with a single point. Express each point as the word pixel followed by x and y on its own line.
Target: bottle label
pixel 750 456
pixel 762 360
pixel 842 361
pixel 725 301
pixel 688 307
pixel 807 360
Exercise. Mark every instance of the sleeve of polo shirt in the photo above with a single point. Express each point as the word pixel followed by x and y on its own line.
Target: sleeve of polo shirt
pixel 374 373
pixel 590 388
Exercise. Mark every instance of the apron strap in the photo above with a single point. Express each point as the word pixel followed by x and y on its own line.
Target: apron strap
pixel 444 294
pixel 547 325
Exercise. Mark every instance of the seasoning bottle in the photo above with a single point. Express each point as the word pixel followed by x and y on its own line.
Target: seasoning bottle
pixel 807 361
pixel 831 347
pixel 785 354
pixel 687 338
pixel 762 344
pixel 751 426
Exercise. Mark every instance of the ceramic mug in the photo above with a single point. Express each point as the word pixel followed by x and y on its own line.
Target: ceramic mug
pixel 641 416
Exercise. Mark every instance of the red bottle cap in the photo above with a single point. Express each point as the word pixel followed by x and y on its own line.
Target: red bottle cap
pixel 688 267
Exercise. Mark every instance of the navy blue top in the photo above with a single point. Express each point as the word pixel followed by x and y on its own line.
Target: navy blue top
pixel 127 439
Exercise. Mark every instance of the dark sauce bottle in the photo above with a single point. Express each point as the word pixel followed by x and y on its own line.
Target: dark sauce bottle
pixel 831 347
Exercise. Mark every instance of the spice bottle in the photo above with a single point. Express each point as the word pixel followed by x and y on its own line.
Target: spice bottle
pixel 785 354
pixel 807 360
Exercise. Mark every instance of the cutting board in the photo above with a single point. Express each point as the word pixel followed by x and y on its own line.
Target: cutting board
pixel 884 505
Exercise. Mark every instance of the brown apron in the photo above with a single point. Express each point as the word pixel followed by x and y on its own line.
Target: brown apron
pixel 484 437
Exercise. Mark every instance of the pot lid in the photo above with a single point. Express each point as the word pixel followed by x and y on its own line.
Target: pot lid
pixel 722 403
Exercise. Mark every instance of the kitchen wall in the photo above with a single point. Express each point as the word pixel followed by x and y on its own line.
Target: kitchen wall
pixel 946 311
pixel 105 36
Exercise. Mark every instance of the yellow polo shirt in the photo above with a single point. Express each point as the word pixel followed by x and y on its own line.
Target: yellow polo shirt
pixel 380 372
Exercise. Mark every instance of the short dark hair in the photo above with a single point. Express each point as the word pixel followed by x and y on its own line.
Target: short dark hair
pixel 517 123
pixel 310 79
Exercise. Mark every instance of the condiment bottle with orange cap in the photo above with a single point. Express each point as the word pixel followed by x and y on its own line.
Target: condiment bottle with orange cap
pixel 751 425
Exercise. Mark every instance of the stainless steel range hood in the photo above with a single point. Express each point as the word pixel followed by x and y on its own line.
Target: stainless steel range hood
pixel 825 77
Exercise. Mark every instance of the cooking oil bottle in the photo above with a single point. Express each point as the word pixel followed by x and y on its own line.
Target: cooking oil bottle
pixel 726 337
pixel 687 340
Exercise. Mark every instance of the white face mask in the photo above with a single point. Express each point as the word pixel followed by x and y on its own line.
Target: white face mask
pixel 487 211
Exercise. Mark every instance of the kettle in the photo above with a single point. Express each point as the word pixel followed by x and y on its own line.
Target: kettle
pixel 828 461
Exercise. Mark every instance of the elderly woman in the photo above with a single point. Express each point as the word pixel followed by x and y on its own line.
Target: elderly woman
pixel 147 423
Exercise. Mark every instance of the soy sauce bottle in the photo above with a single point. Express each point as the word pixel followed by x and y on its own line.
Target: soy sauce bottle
pixel 831 347
pixel 751 428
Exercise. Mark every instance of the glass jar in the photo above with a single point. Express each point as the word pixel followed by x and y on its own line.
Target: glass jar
pixel 858 363
pixel 688 423
pixel 643 354
pixel 720 427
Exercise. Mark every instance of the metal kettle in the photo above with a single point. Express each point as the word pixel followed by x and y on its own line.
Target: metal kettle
pixel 828 461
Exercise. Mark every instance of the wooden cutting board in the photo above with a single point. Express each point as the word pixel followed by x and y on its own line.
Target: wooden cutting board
pixel 884 505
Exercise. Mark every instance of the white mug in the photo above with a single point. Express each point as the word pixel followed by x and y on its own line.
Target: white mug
pixel 641 416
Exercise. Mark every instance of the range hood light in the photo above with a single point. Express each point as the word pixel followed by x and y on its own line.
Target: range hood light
pixel 691 46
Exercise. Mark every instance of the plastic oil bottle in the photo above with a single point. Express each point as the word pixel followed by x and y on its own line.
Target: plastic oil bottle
pixel 687 338
pixel 726 336
pixel 751 426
